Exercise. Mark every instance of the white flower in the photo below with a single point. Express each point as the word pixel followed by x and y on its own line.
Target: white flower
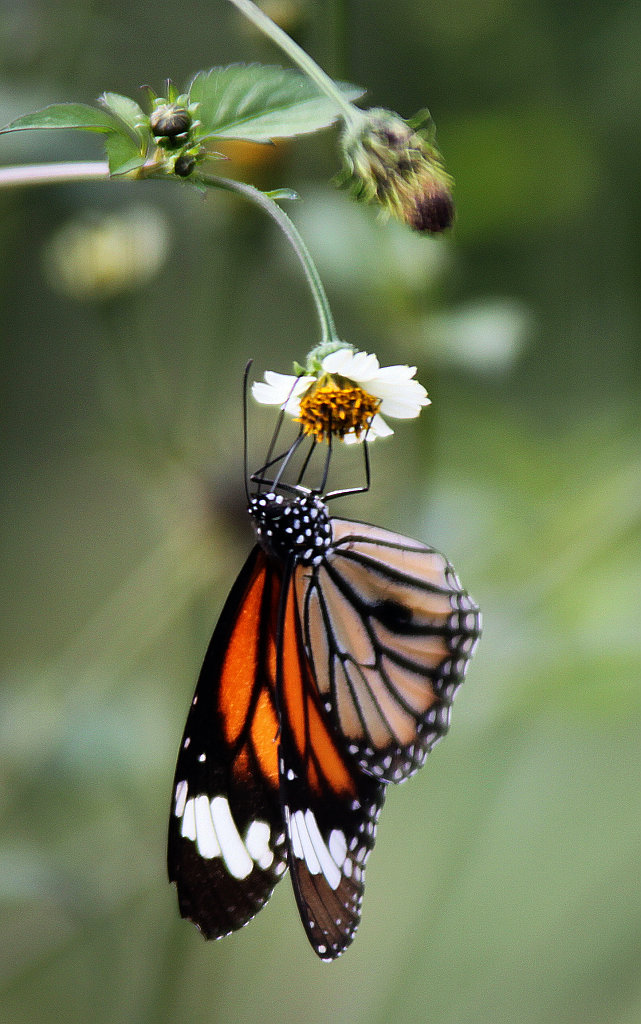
pixel 399 394
pixel 282 389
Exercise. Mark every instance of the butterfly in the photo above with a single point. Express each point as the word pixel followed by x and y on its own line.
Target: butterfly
pixel 330 674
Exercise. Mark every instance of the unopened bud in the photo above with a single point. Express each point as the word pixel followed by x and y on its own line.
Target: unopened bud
pixel 184 165
pixel 169 121
pixel 392 163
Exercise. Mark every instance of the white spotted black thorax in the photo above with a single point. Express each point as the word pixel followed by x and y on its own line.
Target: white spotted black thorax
pixel 297 527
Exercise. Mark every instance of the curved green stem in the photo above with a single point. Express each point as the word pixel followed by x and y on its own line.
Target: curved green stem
pixel 351 114
pixel 289 229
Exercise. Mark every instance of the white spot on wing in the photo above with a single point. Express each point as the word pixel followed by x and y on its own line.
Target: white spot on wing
pixel 234 852
pixel 297 846
pixel 312 861
pixel 327 863
pixel 181 798
pixel 338 846
pixel 257 843
pixel 188 827
pixel 206 840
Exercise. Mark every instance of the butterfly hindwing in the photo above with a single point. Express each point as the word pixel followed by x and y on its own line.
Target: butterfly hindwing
pixel 389 630
pixel 226 849
pixel 330 806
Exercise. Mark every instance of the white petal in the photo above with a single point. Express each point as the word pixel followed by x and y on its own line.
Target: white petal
pixel 336 361
pixel 378 428
pixel 395 374
pixel 265 394
pixel 401 389
pixel 276 390
pixel 353 439
pixel 353 365
pixel 292 407
pixel 280 388
pixel 401 410
pixel 364 367
pixel 409 396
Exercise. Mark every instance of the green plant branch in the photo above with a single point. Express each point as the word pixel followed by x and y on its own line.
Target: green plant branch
pixel 351 114
pixel 51 174
pixel 289 229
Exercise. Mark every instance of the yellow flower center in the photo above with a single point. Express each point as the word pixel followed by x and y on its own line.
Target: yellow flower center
pixel 328 409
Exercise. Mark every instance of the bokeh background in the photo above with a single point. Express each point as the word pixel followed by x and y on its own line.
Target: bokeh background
pixel 505 881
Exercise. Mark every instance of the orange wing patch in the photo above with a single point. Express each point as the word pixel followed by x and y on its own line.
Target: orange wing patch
pixel 309 728
pixel 264 737
pixel 241 661
pixel 247 680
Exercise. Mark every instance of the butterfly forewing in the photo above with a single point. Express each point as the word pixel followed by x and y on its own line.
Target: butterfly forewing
pixel 330 808
pixel 389 630
pixel 226 848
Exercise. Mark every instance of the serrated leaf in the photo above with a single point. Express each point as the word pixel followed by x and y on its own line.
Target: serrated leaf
pixel 258 103
pixel 126 109
pixel 66 115
pixel 123 153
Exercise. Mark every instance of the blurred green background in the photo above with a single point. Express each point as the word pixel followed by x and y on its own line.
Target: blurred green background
pixel 505 881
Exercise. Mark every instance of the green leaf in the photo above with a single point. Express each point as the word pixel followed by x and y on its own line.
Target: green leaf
pixel 126 109
pixel 258 103
pixel 66 115
pixel 282 193
pixel 123 153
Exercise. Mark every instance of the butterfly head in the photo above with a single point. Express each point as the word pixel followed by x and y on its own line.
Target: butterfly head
pixel 295 527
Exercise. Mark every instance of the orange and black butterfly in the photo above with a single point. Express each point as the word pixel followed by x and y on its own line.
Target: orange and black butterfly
pixel 330 674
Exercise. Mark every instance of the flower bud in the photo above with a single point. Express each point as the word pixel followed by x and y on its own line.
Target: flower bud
pixel 395 164
pixel 169 121
pixel 184 165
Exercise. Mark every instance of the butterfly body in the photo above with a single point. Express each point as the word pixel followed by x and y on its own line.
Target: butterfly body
pixel 330 674
pixel 295 529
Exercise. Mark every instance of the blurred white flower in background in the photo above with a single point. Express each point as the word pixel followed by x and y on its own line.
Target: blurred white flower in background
pixel 102 256
pixel 487 335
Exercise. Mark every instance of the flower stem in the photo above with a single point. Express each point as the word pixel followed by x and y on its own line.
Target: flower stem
pixel 289 229
pixel 51 174
pixel 351 114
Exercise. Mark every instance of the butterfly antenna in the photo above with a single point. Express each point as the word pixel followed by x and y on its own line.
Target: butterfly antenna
pixel 354 490
pixel 245 418
pixel 328 459
pixel 306 462
pixel 270 460
pixel 368 478
pixel 286 458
